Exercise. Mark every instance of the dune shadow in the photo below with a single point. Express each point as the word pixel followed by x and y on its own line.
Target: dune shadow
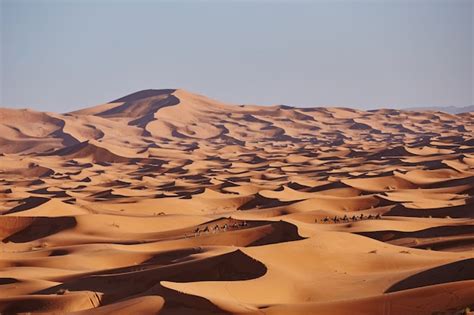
pixel 28 203
pixel 438 231
pixel 121 283
pixel 282 232
pixel 456 271
pixel 4 281
pixel 462 211
pixel 143 94
pixel 435 238
pixel 262 202
pixel 41 227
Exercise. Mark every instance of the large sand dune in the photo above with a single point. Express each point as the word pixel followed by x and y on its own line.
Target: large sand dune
pixel 168 202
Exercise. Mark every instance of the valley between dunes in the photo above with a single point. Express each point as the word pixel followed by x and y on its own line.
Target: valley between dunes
pixel 168 202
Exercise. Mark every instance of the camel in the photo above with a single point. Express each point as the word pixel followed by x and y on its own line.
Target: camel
pixel 244 223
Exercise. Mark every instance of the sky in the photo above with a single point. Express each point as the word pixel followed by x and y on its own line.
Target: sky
pixel 63 55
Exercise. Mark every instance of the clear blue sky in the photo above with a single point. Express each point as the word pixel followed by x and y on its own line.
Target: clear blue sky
pixel 64 55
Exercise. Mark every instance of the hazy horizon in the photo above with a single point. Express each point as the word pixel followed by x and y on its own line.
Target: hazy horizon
pixel 240 103
pixel 65 55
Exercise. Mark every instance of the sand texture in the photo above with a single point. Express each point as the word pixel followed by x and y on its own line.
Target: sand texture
pixel 168 202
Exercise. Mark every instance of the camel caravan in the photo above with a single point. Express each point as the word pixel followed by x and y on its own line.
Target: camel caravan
pixel 217 228
pixel 346 219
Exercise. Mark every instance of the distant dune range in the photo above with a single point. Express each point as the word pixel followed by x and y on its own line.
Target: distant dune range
pixel 168 202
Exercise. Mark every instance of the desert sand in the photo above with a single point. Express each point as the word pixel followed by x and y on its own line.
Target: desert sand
pixel 168 202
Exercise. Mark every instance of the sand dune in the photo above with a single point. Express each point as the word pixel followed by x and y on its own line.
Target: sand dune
pixel 165 201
